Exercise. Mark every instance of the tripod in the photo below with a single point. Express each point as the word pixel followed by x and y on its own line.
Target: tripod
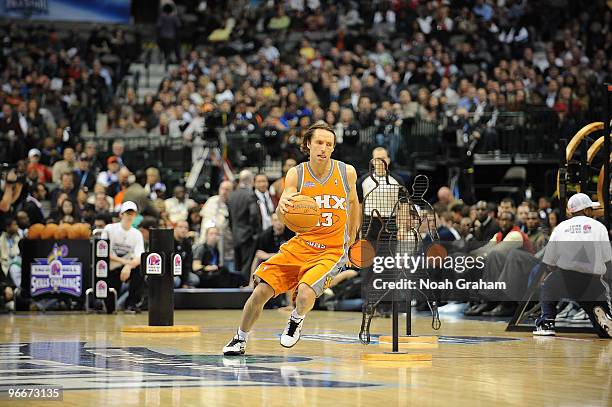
pixel 209 168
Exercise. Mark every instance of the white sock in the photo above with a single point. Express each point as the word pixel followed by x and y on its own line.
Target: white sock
pixel 295 314
pixel 243 335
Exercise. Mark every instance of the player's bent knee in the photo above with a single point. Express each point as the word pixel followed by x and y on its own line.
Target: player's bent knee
pixel 306 294
pixel 262 292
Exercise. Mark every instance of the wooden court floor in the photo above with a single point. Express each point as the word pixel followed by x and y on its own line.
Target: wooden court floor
pixel 476 363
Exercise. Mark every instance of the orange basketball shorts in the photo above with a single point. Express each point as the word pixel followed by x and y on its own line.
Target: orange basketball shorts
pixel 297 262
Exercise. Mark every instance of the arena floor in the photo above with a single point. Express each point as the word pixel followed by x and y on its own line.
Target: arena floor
pixel 476 363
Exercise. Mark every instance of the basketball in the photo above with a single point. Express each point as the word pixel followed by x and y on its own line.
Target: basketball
pixel 303 215
pixel 49 232
pixel 62 231
pixel 85 230
pixel 436 250
pixel 74 232
pixel 361 254
pixel 35 231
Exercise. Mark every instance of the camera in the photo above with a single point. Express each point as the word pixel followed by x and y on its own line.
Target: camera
pixel 351 135
pixel 208 131
pixel 5 168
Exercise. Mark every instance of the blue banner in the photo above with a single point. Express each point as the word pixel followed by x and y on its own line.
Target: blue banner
pixel 108 11
pixel 55 267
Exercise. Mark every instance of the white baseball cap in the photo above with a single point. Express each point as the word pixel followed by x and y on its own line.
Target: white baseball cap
pixel 128 206
pixel 579 202
pixel 33 152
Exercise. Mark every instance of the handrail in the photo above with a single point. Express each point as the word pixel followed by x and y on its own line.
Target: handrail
pixel 411 140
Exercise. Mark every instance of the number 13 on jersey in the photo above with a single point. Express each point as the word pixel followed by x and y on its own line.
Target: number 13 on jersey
pixel 328 219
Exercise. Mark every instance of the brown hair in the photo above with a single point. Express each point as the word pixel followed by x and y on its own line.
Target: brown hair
pixel 309 133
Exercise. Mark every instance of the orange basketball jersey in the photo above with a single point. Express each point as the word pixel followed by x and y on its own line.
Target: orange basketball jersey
pixel 332 195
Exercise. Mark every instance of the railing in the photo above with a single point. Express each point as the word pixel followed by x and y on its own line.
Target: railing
pixel 144 149
pixel 532 134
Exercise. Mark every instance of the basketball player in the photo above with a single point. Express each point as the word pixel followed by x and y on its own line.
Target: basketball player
pixel 309 261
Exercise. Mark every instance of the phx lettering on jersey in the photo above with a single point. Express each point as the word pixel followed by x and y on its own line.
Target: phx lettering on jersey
pixel 330 202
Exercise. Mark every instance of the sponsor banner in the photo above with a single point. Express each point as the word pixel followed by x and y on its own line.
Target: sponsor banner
pixel 56 267
pixel 101 248
pixel 101 269
pixel 153 264
pixel 101 289
pixel 108 11
pixel 57 273
pixel 177 265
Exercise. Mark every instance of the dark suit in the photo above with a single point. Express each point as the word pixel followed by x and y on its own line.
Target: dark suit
pixel 5 281
pixel 487 230
pixel 245 221
pixel 183 247
pixel 56 193
pixel 270 243
pixel 222 278
pixel 34 212
pixel 446 235
pixel 84 179
pixel 346 98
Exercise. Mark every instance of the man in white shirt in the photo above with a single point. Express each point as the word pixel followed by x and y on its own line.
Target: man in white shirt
pixel 68 164
pixel 215 213
pixel 387 190
pixel 178 206
pixel 577 255
pixel 126 246
pixel 112 174
pixel 269 50
pixel 445 90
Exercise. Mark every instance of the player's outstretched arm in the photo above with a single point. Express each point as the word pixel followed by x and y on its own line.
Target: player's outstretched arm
pixel 286 199
pixel 354 214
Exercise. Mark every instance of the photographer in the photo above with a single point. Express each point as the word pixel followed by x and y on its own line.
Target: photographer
pixel 202 136
pixel 43 172
pixel 10 254
pixel 7 292
pixel 201 133
pixel 13 192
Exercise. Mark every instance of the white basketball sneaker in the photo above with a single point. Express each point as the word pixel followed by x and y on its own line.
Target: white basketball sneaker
pixel 603 319
pixel 545 327
pixel 291 335
pixel 235 347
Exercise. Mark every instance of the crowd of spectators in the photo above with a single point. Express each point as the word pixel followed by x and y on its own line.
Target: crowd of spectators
pixel 458 64
pixel 278 66
pixel 54 84
pixel 285 64
pixel 223 239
